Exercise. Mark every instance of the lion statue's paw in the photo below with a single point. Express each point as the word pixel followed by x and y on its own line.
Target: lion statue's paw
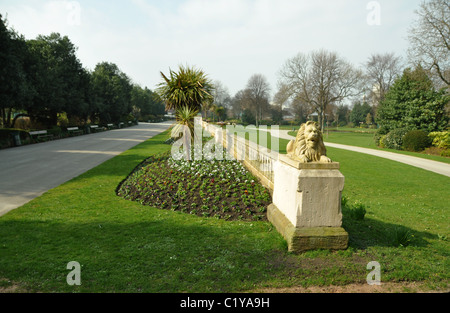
pixel 325 159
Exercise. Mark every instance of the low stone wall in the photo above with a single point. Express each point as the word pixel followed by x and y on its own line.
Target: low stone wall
pixel 258 159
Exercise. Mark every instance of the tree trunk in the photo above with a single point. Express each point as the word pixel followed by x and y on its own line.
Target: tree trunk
pixel 8 119
pixel 2 116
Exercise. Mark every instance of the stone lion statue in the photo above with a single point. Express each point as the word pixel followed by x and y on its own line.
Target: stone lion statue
pixel 308 145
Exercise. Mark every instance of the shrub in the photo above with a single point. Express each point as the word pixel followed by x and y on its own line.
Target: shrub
pixel 445 153
pixel 381 141
pixel 401 237
pixel 416 140
pixel 344 201
pixel 379 136
pixel 394 139
pixel 55 131
pixel 356 211
pixel 248 118
pixel 440 139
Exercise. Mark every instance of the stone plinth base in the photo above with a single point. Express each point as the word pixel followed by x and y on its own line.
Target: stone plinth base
pixel 308 194
pixel 301 239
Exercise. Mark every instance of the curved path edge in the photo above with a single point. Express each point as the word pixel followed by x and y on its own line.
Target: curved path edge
pixel 429 165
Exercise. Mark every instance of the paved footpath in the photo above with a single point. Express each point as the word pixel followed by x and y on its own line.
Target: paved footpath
pixel 429 165
pixel 27 172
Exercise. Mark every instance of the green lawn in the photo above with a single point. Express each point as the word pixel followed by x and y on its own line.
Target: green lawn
pixel 123 246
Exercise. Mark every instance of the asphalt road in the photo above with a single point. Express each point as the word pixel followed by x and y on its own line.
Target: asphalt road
pixel 29 171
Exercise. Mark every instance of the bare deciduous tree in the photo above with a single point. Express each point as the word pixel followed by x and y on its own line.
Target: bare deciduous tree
pixel 258 93
pixel 221 95
pixel 282 96
pixel 381 72
pixel 430 38
pixel 320 79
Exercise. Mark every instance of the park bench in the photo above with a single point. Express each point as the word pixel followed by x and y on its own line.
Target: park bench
pixel 96 128
pixel 74 130
pixel 41 134
pixel 110 126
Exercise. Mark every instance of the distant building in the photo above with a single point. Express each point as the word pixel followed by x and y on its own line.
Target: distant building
pixel 313 116
pixel 376 95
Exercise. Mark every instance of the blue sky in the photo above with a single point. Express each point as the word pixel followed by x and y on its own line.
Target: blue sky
pixel 229 39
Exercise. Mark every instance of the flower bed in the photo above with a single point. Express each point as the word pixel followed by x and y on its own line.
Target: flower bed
pixel 221 189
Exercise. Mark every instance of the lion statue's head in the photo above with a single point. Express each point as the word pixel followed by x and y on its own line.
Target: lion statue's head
pixel 308 145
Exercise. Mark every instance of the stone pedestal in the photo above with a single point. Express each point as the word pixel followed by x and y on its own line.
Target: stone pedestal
pixel 306 207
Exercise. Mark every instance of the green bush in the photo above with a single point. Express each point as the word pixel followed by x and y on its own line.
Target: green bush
pixel 379 136
pixel 248 118
pixel 440 139
pixel 355 211
pixel 381 141
pixel 401 237
pixel 55 131
pixel 416 140
pixel 394 139
pixel 445 153
pixel 358 211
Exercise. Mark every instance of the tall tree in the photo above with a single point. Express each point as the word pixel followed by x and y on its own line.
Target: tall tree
pixel 15 90
pixel 413 103
pixel 320 79
pixel 430 38
pixel 145 103
pixel 57 77
pixel 342 115
pixel 258 93
pixel 359 113
pixel 381 72
pixel 221 95
pixel 238 103
pixel 222 101
pixel 112 93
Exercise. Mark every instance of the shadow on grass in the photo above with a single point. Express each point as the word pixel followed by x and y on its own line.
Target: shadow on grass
pixel 374 233
pixel 162 255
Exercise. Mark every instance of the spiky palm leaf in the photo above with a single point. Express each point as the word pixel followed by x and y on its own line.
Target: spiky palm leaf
pixel 185 119
pixel 185 128
pixel 187 87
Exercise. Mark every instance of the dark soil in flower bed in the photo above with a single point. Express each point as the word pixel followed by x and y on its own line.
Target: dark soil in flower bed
pixel 220 188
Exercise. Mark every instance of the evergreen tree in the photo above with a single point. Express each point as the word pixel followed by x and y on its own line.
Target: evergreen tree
pixel 14 87
pixel 112 92
pixel 413 103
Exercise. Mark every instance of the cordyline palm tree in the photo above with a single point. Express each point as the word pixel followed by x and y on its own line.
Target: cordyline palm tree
pixel 187 87
pixel 186 92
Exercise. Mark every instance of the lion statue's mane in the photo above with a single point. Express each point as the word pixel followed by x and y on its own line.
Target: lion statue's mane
pixel 308 146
